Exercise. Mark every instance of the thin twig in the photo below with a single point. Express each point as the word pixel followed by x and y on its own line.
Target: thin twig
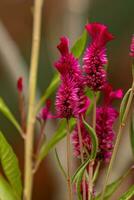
pixel 70 196
pixel 82 156
pixel 90 169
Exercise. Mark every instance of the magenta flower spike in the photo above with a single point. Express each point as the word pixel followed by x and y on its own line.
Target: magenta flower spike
pixel 95 56
pixel 70 99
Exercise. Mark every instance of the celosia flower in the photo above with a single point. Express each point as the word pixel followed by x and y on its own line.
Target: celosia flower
pixel 67 101
pixel 20 84
pixel 86 140
pixel 70 99
pixel 132 47
pixel 105 118
pixel 95 56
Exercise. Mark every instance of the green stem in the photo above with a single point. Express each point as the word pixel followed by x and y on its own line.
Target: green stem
pixel 70 196
pixel 28 182
pixel 81 155
pixel 90 169
pixel 122 125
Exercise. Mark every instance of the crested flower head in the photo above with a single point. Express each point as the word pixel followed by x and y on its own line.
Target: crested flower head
pixel 105 118
pixel 99 34
pixel 95 56
pixel 132 47
pixel 68 64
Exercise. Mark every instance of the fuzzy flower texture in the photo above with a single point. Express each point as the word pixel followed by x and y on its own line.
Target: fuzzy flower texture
pixel 71 100
pixel 95 56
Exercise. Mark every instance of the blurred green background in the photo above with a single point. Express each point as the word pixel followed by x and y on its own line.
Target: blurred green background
pixel 60 17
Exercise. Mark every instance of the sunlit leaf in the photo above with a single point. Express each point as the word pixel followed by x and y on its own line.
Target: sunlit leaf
pixel 6 192
pixel 6 111
pixel 10 165
pixel 79 45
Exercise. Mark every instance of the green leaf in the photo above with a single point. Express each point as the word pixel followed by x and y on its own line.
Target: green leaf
pixel 111 188
pixel 5 110
pixel 123 104
pixel 77 177
pixel 129 194
pixel 132 132
pixel 10 165
pixel 79 45
pixel 93 138
pixel 80 170
pixel 49 91
pixel 6 192
pixel 59 135
pixel 60 164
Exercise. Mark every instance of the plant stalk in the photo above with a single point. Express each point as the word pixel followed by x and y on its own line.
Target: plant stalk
pixel 82 156
pixel 28 180
pixel 70 196
pixel 117 142
pixel 90 169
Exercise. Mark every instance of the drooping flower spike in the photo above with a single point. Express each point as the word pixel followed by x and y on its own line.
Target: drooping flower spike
pixel 95 56
pixel 70 99
pixel 132 47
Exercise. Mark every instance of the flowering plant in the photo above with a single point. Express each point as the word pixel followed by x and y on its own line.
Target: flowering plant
pixel 86 123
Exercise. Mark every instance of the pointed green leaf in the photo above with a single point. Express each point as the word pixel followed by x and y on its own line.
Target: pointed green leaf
pixel 93 138
pixel 129 194
pixel 60 164
pixel 59 135
pixel 6 192
pixel 111 188
pixel 132 133
pixel 49 91
pixel 5 110
pixel 79 45
pixel 123 104
pixel 77 177
pixel 10 165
